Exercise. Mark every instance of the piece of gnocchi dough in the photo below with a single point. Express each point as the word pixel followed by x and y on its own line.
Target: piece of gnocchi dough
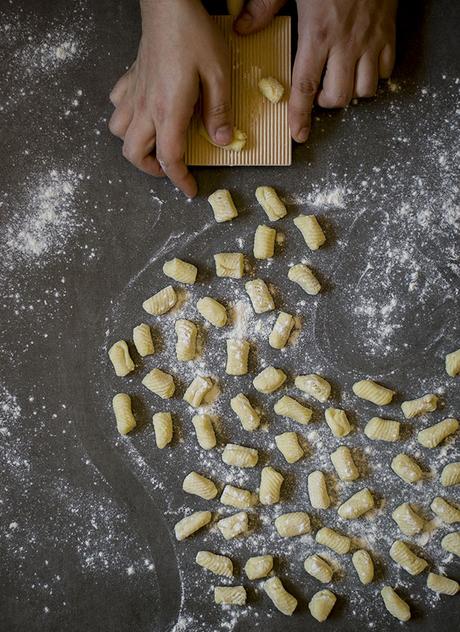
pixel 317 490
pixel 453 363
pixel 321 604
pixel 420 406
pixel 160 383
pixel 142 338
pixel 234 525
pixel 248 416
pixel 270 202
pixel 303 276
pixel 295 523
pixel 408 521
pixel 204 431
pixel 199 485
pixel 402 555
pixel 258 566
pixel 451 543
pixel 186 333
pixel 396 606
pixel 163 426
pixel 264 242
pixel 311 231
pixel 282 600
pixel 333 540
pixel 291 408
pixel 342 460
pixel 222 205
pixel 442 584
pixel 281 331
pixel 450 475
pixel 357 505
pixel 237 356
pixel 337 420
pixel 289 446
pixel 161 302
pixel 237 497
pixel 216 564
pixel 364 566
pixel 192 523
pixel 229 264
pixel 373 392
pixel 239 139
pixel 197 390
pixel 261 299
pixel 120 358
pixel 406 468
pixel 445 511
pixel 270 486
pixel 124 417
pixel 318 568
pixel 314 385
pixel 271 89
pixel 380 429
pixel 230 595
pixel 180 271
pixel 269 380
pixel 213 311
pixel 239 455
pixel 431 437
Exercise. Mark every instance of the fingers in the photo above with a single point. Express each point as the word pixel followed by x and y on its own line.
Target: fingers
pixel 121 119
pixel 256 15
pixel 306 76
pixel 139 142
pixel 366 76
pixel 217 111
pixel 338 82
pixel 386 61
pixel 119 89
pixel 170 152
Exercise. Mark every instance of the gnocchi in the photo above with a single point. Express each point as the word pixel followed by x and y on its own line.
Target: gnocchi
pixel 197 390
pixel 373 392
pixel 333 540
pixel 269 380
pixel 281 331
pixel 229 264
pixel 442 584
pixel 293 524
pixel 248 416
pixel 261 299
pixel 237 356
pixel 304 277
pixel 406 468
pixel 451 543
pixel 337 420
pixel 450 475
pixel 204 431
pixel 432 436
pixel 270 486
pixel 311 231
pixel 402 555
pixel 420 406
pixel 445 511
pixel 160 383
pixel 344 465
pixel 161 302
pixel 271 89
pixel 408 521
pixel 234 525
pixel 230 595
pixel 237 497
pixel 258 566
pixel 284 601
pixel 180 271
pixel 288 444
pixel 314 385
pixel 163 426
pixel 357 505
pixel 453 363
pixel 291 408
pixel 321 604
pixel 364 566
pixel 318 568
pixel 380 429
pixel 222 205
pixel 212 311
pixel 270 202
pixel 394 604
pixel 239 455
pixel 199 485
pixel 217 564
pixel 124 417
pixel 120 358
pixel 186 333
pixel 264 242
pixel 142 338
pixel 317 490
pixel 192 523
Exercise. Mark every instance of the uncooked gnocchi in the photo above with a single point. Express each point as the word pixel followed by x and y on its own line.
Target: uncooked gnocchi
pixel 120 358
pixel 204 431
pixel 271 88
pixel 357 505
pixel 239 455
pixel 321 604
pixel 281 331
pixel 163 426
pixel 160 383
pixel 314 385
pixel 217 564
pixel 123 413
pixel 420 406
pixel 269 380
pixel 284 601
pixel 261 299
pixel 192 523
pixel 450 475
pixel 234 525
pixel 270 486
pixel 161 302
pixel 142 338
pixel 264 242
pixel 197 390
pixel 303 276
pixel 229 264
pixel 186 333
pixel 181 271
pixel 293 524
pixel 258 566
pixel 222 205
pixel 270 202
pixel 311 231
pixel 248 416
pixel 431 437
pixel 380 429
pixel 337 420
pixel 291 408
pixel 213 311
pixel 199 485
pixel 288 444
pixel 453 363
pixel 373 392
pixel 237 356
pixel 317 490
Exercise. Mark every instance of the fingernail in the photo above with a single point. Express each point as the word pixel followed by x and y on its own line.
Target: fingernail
pixel 223 135
pixel 244 22
pixel 303 134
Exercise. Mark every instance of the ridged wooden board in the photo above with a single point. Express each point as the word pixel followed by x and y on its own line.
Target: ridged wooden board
pixel 264 54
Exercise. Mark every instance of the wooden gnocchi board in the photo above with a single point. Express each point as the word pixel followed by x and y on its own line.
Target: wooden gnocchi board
pixel 263 54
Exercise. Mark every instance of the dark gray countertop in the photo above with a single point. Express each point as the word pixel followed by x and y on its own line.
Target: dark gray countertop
pixel 84 545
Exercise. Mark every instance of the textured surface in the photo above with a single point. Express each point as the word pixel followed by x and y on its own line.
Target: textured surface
pixel 267 54
pixel 84 543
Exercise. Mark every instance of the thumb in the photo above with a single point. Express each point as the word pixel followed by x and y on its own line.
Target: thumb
pixel 256 15
pixel 217 110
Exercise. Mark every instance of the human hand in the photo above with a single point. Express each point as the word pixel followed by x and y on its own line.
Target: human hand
pixel 344 47
pixel 180 50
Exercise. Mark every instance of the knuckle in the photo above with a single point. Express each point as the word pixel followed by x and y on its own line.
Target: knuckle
pixel 307 87
pixel 115 126
pixel 219 109
pixel 337 100
pixel 130 152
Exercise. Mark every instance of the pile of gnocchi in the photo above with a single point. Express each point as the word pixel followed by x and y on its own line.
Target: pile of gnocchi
pixel 270 380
